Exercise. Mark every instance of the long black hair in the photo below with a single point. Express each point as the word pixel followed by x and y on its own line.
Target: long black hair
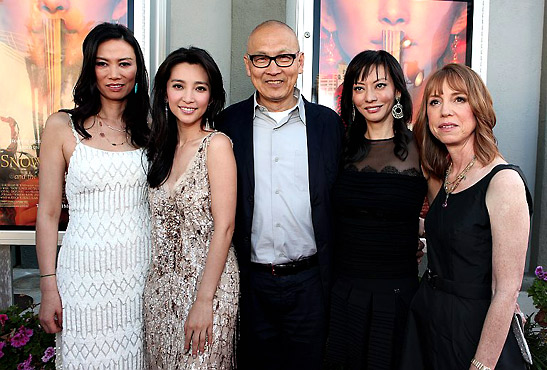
pixel 357 147
pixel 164 135
pixel 86 94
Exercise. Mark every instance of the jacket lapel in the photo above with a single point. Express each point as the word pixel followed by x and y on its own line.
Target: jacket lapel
pixel 247 140
pixel 314 130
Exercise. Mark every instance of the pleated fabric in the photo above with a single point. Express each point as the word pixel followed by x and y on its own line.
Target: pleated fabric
pixel 368 319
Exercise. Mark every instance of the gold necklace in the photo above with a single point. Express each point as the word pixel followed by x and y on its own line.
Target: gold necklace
pixel 450 186
pixel 110 127
pixel 101 133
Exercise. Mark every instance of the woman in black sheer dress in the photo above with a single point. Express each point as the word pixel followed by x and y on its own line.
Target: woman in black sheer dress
pixel 377 199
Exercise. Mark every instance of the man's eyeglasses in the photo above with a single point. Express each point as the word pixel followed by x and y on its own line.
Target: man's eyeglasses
pixel 264 61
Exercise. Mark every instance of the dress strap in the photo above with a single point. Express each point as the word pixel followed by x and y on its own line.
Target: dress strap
pixel 74 132
pixel 516 168
pixel 213 133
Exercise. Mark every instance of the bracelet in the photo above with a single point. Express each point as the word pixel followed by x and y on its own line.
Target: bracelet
pixel 46 275
pixel 479 365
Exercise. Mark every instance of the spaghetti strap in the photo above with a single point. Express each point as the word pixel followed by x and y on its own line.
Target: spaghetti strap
pixel 74 132
pixel 213 133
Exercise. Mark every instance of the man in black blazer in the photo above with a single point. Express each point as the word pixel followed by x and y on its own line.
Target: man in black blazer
pixel 287 152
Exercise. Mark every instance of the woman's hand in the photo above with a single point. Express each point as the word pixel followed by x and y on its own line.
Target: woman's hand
pixel 198 327
pixel 51 311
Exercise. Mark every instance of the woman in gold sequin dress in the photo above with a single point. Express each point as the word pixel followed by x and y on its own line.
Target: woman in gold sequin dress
pixel 191 294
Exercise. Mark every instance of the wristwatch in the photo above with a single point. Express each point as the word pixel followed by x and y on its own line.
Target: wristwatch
pixel 479 365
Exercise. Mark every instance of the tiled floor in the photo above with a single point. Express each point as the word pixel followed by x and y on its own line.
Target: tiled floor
pixel 27 281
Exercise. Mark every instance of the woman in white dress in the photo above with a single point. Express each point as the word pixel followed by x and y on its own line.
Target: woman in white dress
pixel 92 298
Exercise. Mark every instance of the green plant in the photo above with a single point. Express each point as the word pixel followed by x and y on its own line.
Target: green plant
pixel 536 337
pixel 24 345
pixel 535 330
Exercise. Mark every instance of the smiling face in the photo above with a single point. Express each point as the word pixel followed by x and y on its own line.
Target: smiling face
pixel 450 117
pixel 188 93
pixel 275 85
pixel 115 69
pixel 374 96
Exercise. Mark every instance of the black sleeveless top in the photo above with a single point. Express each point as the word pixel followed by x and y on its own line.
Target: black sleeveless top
pixel 448 311
pixel 459 236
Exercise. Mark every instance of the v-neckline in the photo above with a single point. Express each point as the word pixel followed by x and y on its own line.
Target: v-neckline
pixel 165 187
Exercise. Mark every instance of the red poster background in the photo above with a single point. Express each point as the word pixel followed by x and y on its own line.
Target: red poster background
pixel 423 35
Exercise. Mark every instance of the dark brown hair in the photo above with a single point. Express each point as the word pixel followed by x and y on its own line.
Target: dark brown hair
pixel 86 94
pixel 360 66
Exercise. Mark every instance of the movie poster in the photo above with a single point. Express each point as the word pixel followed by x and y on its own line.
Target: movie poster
pixel 423 35
pixel 40 58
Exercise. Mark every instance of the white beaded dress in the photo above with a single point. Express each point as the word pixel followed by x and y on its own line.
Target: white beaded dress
pixel 103 260
pixel 182 227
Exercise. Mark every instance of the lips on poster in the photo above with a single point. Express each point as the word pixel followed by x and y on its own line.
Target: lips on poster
pixel 423 35
pixel 40 58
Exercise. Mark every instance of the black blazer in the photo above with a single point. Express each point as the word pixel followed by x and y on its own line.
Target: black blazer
pixel 324 131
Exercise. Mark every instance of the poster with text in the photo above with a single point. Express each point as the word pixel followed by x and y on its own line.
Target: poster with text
pixel 423 35
pixel 40 59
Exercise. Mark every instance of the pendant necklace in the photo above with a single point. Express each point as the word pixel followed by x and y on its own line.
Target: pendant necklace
pixel 450 186
pixel 101 133
pixel 110 127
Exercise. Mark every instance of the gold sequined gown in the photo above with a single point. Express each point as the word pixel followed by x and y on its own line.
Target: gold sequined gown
pixel 182 227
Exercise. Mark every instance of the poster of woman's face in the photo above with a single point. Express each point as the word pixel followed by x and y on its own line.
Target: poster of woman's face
pixel 40 59
pixel 422 35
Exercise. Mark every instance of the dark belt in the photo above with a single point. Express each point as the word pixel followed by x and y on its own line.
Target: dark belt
pixel 463 290
pixel 288 268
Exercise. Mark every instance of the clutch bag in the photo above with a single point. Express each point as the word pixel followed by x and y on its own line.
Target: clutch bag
pixel 518 330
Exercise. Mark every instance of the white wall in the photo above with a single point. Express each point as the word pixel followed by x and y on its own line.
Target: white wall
pixel 206 24
pixel 513 78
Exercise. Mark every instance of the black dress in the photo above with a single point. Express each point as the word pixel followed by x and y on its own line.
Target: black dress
pixel 377 202
pixel 448 311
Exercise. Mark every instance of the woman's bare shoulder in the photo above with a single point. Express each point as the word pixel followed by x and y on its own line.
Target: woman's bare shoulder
pixel 59 121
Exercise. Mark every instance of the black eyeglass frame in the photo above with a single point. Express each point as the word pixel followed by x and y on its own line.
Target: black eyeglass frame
pixel 274 58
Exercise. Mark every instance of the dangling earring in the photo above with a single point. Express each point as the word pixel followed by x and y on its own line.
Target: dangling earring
pixel 329 47
pixel 207 126
pixel 166 111
pixel 397 110
pixel 353 113
pixel 136 87
pixel 454 48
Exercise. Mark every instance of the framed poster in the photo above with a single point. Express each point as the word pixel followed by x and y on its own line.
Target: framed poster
pixel 423 35
pixel 40 60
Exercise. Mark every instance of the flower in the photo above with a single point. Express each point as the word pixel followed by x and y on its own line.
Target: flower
pixel 26 365
pixel 48 354
pixel 541 275
pixel 23 342
pixel 21 337
pixel 3 319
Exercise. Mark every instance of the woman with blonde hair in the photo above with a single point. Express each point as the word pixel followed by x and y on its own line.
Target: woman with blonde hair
pixel 477 232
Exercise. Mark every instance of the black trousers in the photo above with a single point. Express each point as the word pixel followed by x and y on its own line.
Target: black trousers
pixel 283 322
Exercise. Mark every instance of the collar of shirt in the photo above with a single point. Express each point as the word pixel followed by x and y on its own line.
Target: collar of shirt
pixel 299 105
